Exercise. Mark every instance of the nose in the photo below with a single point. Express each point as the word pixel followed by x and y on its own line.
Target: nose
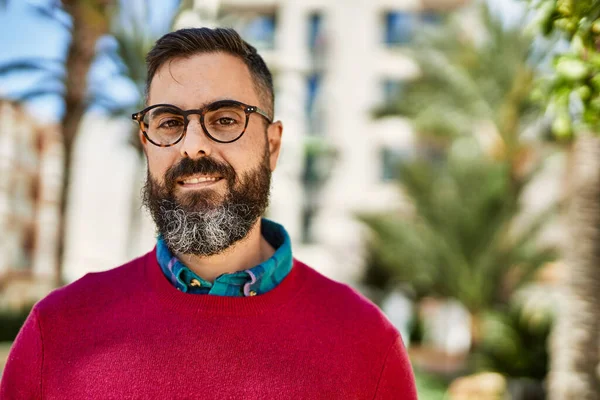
pixel 196 143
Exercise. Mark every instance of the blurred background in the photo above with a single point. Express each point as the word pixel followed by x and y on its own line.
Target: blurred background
pixel 438 155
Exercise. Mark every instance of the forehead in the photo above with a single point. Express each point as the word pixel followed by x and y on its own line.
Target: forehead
pixel 202 78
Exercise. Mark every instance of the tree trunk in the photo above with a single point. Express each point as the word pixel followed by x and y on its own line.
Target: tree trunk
pixel 90 22
pixel 574 341
pixel 48 217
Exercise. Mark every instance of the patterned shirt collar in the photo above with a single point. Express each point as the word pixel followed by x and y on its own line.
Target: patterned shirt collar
pixel 256 280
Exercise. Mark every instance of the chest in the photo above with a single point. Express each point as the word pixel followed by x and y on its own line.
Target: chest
pixel 209 358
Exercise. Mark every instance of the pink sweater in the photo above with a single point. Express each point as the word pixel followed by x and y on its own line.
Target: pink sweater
pixel 128 333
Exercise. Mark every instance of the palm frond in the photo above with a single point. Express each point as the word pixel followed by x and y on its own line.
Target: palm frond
pixel 460 241
pixel 33 94
pixel 467 78
pixel 52 10
pixel 51 81
pixel 53 66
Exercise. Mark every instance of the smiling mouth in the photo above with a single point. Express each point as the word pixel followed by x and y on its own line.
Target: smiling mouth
pixel 199 181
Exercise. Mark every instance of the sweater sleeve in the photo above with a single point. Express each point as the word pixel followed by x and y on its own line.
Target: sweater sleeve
pixel 22 376
pixel 397 381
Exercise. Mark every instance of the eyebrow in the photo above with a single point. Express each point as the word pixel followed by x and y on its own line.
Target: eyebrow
pixel 166 109
pixel 201 106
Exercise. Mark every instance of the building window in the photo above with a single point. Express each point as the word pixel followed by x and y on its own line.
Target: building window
pixel 391 90
pixel 315 31
pixel 400 26
pixel 312 106
pixel 259 30
pixel 316 41
pixel 391 159
pixel 431 18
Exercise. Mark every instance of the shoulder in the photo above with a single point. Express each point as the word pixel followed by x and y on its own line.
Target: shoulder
pixel 94 288
pixel 341 302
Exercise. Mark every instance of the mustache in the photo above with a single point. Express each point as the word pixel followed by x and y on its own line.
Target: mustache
pixel 204 166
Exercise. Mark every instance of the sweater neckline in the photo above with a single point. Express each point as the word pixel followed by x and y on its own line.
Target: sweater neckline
pixel 284 292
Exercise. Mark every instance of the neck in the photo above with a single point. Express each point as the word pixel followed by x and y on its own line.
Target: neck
pixel 245 254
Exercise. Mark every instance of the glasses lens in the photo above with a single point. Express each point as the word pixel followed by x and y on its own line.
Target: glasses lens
pixel 164 125
pixel 225 123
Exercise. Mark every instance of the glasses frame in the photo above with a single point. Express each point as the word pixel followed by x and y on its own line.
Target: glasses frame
pixel 139 117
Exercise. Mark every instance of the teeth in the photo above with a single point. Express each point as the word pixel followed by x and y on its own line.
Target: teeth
pixel 201 179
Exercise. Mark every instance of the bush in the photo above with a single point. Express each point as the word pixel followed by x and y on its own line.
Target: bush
pixel 11 322
pixel 514 344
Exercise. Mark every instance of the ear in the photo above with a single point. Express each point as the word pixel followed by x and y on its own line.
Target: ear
pixel 142 138
pixel 274 132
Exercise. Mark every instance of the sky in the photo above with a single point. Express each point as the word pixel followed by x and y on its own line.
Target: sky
pixel 27 33
pixel 23 35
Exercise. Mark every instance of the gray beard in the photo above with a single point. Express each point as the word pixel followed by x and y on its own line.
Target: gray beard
pixel 202 224
pixel 205 233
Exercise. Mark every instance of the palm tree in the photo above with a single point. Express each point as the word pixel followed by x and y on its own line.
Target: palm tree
pixel 462 238
pixel 476 82
pixel 88 22
pixel 572 95
pixel 68 78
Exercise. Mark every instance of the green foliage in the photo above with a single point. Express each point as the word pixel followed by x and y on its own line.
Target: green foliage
pixel 11 322
pixel 465 235
pixel 461 240
pixel 319 157
pixel 430 387
pixel 572 91
pixel 467 78
pixel 515 342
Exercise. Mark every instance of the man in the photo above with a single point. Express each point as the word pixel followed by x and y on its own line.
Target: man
pixel 219 309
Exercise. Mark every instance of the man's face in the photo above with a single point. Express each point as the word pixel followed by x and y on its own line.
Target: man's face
pixel 204 196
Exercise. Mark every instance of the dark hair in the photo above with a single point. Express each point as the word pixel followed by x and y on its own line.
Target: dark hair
pixel 188 42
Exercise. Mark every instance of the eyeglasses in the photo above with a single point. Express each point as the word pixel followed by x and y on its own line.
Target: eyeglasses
pixel 223 121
